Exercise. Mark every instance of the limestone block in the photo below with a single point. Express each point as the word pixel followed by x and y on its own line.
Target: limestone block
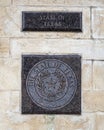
pixel 4 101
pixel 60 2
pixel 86 75
pixel 99 121
pixel 51 46
pixel 10 74
pixel 5 2
pixel 98 49
pixel 98 75
pixel 15 121
pixel 98 22
pixel 15 102
pixel 89 49
pixel 4 47
pixel 83 122
pixel 93 101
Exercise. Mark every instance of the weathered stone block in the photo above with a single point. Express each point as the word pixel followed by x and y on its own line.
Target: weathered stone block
pixel 9 74
pixel 60 2
pixel 98 75
pixel 87 75
pixel 4 102
pixel 89 49
pixel 98 22
pixel 4 47
pixel 5 2
pixel 93 101
pixel 99 120
pixel 83 122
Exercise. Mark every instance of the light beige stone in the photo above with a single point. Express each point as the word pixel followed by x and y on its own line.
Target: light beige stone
pixel 49 119
pixel 22 122
pixel 15 118
pixel 98 49
pixel 60 2
pixel 4 47
pixel 93 101
pixel 99 124
pixel 21 2
pixel 10 74
pixel 51 46
pixel 10 22
pixel 4 102
pixel 83 122
pixel 5 2
pixel 98 75
pixel 89 49
pixel 11 117
pixel 15 101
pixel 98 22
pixel 86 75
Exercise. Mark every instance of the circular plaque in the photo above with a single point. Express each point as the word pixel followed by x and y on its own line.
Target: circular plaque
pixel 51 84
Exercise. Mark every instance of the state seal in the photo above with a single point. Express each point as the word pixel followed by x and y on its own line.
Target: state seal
pixel 51 84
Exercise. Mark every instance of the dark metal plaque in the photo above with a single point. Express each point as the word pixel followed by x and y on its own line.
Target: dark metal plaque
pixel 52 21
pixel 51 84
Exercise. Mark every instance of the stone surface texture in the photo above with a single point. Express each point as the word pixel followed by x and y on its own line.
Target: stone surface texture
pixel 97 22
pixel 89 44
pixel 98 75
pixel 60 2
pixel 5 2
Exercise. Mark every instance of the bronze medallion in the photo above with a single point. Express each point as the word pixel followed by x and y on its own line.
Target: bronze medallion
pixel 51 84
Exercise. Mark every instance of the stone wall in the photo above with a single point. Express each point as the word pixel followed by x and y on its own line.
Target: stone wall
pixel 89 43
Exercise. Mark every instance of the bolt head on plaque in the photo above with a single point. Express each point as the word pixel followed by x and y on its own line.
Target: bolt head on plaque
pixel 51 84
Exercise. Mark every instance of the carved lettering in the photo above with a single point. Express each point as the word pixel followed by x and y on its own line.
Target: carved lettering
pixel 51 17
